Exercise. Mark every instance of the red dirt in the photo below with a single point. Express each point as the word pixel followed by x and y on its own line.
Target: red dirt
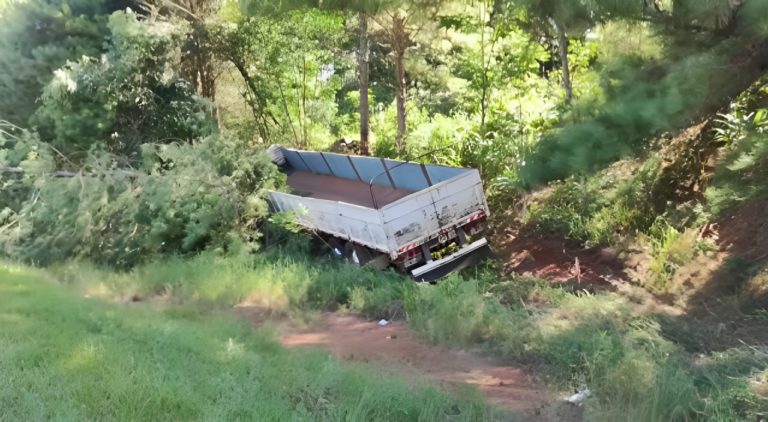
pixel 397 350
pixel 742 231
pixel 557 260
pixel 338 189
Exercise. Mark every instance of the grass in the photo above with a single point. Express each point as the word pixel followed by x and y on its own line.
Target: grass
pixel 573 339
pixel 670 249
pixel 579 340
pixel 64 357
pixel 602 208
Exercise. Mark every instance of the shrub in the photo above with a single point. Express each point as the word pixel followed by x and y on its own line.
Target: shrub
pixel 741 173
pixel 128 96
pixel 670 249
pixel 187 198
pixel 600 209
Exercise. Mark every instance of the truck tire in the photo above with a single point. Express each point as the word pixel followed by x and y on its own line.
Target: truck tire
pixel 336 246
pixel 357 254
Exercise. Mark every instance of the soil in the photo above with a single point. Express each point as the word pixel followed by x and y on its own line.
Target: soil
pixel 558 260
pixel 396 350
pixel 742 231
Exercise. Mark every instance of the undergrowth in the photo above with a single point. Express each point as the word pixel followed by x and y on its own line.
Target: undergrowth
pixel 600 209
pixel 575 339
pixel 743 167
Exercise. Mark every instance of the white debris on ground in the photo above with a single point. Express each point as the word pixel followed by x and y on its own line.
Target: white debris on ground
pixel 383 323
pixel 579 397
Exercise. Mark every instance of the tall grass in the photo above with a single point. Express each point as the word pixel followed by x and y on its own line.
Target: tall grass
pixel 574 339
pixel 277 281
pixel 580 340
pixel 64 357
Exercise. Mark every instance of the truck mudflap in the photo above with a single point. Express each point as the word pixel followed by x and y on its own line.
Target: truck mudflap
pixel 465 257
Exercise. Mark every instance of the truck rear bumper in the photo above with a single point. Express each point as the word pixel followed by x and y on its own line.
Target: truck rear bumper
pixel 463 258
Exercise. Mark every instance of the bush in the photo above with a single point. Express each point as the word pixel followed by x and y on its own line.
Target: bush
pixel 670 249
pixel 128 96
pixel 600 209
pixel 741 173
pixel 187 198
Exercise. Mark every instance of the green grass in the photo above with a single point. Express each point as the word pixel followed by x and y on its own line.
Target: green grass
pixel 578 340
pixel 571 338
pixel 279 281
pixel 65 357
pixel 602 208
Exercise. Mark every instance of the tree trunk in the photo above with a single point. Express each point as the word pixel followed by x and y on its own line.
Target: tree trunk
pixel 485 66
pixel 362 67
pixel 562 48
pixel 280 89
pixel 304 129
pixel 198 64
pixel 256 102
pixel 399 44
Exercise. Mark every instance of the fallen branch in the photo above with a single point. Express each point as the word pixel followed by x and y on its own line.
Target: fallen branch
pixel 65 173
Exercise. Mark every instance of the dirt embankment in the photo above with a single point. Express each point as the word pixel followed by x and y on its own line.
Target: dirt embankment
pixel 559 260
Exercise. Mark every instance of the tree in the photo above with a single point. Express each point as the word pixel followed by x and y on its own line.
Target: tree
pixel 287 64
pixel 37 37
pixel 363 70
pixel 560 20
pixel 197 64
pixel 363 9
pixel 128 96
pixel 398 23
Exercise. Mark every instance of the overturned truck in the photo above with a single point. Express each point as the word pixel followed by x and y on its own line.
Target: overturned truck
pixel 426 220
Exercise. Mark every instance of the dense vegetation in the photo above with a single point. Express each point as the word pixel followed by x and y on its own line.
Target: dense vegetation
pixel 132 167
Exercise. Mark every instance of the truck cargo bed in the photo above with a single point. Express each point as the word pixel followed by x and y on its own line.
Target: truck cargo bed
pixel 333 188
pixel 384 210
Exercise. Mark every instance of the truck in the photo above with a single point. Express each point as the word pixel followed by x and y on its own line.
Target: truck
pixel 426 220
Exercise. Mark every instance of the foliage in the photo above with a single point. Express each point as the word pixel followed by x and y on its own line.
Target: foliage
pixel 119 164
pixel 289 67
pixel 632 113
pixel 38 37
pixel 603 208
pixel 670 249
pixel 188 197
pixel 574 17
pixel 22 150
pixel 129 96
pixel 743 129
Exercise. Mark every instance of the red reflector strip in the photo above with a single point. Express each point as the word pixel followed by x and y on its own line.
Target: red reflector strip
pixel 476 216
pixel 408 247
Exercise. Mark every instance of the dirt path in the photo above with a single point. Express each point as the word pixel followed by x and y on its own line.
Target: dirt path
pixel 396 349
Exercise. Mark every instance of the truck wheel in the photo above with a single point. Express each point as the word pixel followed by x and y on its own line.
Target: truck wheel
pixel 336 246
pixel 357 254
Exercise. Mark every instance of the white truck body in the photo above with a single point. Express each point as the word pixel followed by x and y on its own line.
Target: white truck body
pixel 449 198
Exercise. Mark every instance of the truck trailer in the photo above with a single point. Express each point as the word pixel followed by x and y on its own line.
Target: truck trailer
pixel 426 220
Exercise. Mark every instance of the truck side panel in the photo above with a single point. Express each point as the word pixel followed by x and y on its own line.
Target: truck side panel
pixel 359 224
